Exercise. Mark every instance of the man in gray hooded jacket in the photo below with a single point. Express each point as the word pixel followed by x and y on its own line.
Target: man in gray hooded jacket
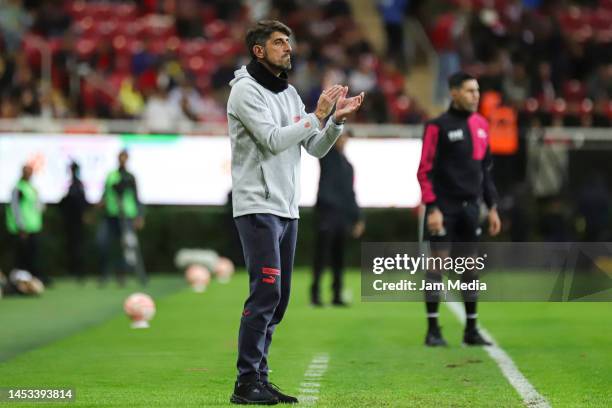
pixel 268 126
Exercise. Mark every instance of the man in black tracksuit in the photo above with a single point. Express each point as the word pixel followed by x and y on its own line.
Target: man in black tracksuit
pixel 455 175
pixel 337 213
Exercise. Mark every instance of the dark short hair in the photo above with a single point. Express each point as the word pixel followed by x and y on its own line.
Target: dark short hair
pixel 458 78
pixel 261 32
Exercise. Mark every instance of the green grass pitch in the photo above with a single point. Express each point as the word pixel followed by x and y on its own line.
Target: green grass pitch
pixel 78 337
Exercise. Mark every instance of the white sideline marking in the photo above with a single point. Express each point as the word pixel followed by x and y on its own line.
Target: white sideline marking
pixel 531 397
pixel 309 388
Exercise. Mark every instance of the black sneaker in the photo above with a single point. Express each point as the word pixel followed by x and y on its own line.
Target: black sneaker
pixel 282 398
pixel 474 338
pixel 434 338
pixel 252 393
pixel 339 303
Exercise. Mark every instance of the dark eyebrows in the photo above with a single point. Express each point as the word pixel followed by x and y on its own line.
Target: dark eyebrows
pixel 282 39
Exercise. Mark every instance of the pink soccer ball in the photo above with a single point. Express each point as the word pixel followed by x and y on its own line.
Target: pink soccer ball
pixel 198 277
pixel 140 308
pixel 224 269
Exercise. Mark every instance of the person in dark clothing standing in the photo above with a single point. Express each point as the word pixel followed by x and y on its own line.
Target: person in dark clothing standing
pixel 337 213
pixel 123 215
pixel 24 221
pixel 73 207
pixel 455 175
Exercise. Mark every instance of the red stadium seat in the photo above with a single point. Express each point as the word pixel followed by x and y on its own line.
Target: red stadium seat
pixel 200 66
pixel 531 105
pixel 77 9
pixel 160 46
pixel 576 22
pixel 126 45
pixel 100 11
pixel 191 48
pixel 173 43
pixel 120 43
pixel 85 47
pixel 55 44
pixel 558 107
pixel 217 30
pixel 601 21
pixel 131 29
pixel 125 12
pixel 221 48
pixel 107 29
pixel 158 27
pixel 573 18
pixel 574 90
pixel 31 44
pixel 606 4
pixel 86 26
pixel 586 107
pixel 400 106
pixel 209 14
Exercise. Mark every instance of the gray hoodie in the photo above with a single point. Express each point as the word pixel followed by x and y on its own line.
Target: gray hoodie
pixel 267 131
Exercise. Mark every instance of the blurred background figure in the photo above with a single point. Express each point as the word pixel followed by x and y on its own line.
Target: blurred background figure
pixel 20 282
pixel 594 209
pixel 73 206
pixel 24 221
pixel 393 14
pixel 163 115
pixel 337 215
pixel 123 214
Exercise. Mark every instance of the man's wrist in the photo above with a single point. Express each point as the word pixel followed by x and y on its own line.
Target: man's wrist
pixel 338 122
pixel 321 118
pixel 320 115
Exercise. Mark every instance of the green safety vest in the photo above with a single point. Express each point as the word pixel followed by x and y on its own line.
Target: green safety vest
pixel 30 212
pixel 116 205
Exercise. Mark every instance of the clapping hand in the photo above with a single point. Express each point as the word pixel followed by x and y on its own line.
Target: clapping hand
pixel 347 106
pixel 327 100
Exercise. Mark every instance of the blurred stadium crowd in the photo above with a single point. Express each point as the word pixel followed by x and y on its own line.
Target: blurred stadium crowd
pixel 551 59
pixel 166 60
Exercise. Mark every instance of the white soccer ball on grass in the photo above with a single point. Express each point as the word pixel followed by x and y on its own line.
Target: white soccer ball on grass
pixel 140 308
pixel 198 277
pixel 224 269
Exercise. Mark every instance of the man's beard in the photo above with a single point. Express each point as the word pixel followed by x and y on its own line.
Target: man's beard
pixel 272 65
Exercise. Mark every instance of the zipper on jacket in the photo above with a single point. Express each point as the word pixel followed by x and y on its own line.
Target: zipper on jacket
pixel 263 178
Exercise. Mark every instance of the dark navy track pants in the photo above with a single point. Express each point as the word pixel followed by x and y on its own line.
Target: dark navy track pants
pixel 268 243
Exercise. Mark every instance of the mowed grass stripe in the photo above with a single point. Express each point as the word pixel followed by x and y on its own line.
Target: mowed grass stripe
pixel 65 309
pixel 531 397
pixel 377 357
pixel 187 357
pixel 564 349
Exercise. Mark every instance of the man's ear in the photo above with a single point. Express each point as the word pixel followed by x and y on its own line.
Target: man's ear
pixel 454 92
pixel 258 50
